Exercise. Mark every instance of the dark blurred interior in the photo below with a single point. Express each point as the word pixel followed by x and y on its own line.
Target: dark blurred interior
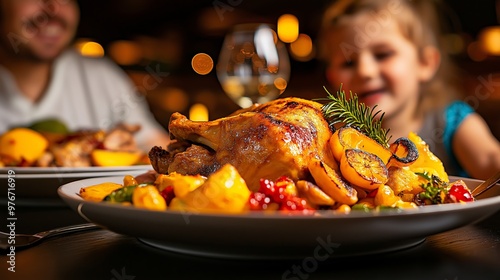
pixel 158 38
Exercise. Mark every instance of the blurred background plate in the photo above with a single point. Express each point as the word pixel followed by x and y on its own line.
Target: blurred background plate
pixel 65 170
pixel 40 189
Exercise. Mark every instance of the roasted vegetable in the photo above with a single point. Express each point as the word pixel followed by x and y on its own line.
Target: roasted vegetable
pixel 427 162
pixel 148 197
pixel 224 192
pixel 99 192
pixel 123 194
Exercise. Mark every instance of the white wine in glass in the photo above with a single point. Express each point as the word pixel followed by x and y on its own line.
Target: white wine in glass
pixel 253 66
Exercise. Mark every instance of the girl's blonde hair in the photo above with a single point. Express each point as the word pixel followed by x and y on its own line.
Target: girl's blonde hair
pixel 420 24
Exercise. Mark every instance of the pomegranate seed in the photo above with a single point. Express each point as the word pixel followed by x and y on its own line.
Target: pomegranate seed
pixel 266 187
pixel 259 201
pixel 459 192
pixel 273 195
pixel 168 194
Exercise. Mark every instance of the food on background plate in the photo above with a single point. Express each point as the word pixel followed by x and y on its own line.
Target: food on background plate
pixel 282 155
pixel 22 145
pixel 50 125
pixel 49 144
pixel 102 157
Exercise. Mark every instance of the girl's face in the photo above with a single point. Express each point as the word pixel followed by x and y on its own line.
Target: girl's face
pixel 371 57
pixel 37 29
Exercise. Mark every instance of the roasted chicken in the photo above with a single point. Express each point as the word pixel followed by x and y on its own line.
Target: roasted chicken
pixel 265 141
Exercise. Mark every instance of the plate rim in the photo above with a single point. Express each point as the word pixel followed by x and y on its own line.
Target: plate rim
pixel 88 175
pixel 429 209
pixel 388 231
pixel 87 169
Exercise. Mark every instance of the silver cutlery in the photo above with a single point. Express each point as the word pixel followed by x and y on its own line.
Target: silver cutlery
pixel 24 240
pixel 486 185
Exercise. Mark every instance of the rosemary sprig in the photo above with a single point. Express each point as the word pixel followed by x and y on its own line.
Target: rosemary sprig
pixel 352 113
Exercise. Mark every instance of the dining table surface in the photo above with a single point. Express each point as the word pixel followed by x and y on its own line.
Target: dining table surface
pixel 470 252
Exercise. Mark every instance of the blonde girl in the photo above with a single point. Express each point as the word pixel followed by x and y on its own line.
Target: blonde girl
pixel 387 53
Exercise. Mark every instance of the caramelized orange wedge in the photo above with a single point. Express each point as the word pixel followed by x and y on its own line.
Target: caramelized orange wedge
pixel 332 183
pixel 404 153
pixel 313 193
pixel 350 138
pixel 363 169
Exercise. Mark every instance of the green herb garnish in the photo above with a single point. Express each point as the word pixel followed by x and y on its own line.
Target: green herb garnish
pixel 123 194
pixel 355 114
pixel 435 191
pixel 363 207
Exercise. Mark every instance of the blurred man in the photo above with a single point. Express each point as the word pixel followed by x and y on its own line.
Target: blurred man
pixel 41 77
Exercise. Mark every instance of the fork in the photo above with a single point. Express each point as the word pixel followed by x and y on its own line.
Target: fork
pixel 25 240
pixel 486 185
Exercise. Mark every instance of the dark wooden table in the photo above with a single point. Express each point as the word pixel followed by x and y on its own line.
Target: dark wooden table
pixel 471 252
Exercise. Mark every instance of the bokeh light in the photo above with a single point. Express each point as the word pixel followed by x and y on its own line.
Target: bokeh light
pixel 288 28
pixel 125 52
pixel 174 99
pixel 202 63
pixel 198 112
pixel 302 48
pixel 490 40
pixel 280 84
pixel 476 52
pixel 89 48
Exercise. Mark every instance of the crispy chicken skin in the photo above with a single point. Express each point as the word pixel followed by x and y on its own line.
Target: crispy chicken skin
pixel 265 141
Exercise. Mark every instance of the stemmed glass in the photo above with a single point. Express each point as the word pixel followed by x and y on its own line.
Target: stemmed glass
pixel 253 65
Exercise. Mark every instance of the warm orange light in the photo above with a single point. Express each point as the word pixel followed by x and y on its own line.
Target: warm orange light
pixel 490 40
pixel 198 112
pixel 280 84
pixel 174 99
pixel 202 63
pixel 91 49
pixel 302 48
pixel 475 52
pixel 125 52
pixel 288 28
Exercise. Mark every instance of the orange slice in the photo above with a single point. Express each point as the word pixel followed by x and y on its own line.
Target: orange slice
pixel 313 193
pixel 350 138
pixel 332 183
pixel 363 169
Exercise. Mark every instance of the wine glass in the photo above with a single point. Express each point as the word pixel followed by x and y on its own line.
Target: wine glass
pixel 253 65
